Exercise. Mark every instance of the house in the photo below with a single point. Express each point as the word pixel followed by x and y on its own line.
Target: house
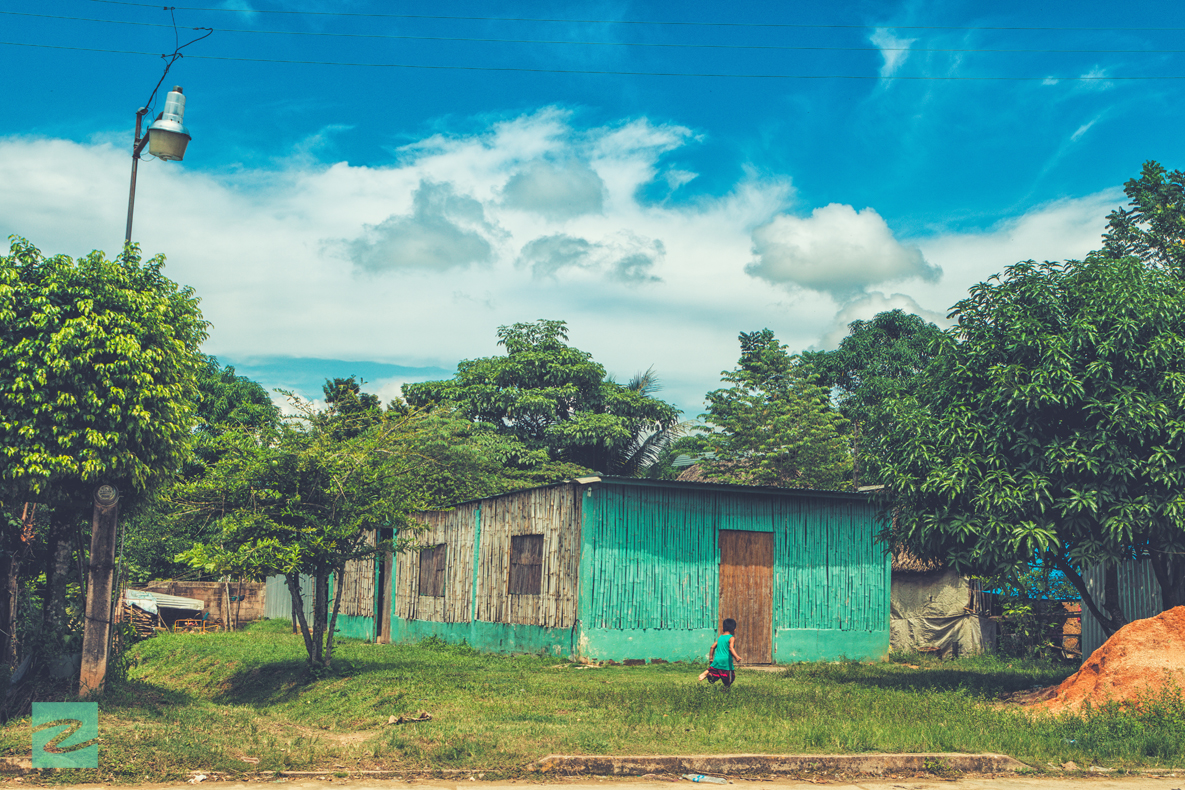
pixel 632 569
pixel 935 609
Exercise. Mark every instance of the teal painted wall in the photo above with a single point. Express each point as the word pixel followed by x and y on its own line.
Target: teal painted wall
pixel 649 560
pixel 492 637
pixel 808 644
pixel 650 572
pixel 355 627
pixel 646 644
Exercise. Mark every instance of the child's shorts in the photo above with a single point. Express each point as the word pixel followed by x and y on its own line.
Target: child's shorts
pixel 725 676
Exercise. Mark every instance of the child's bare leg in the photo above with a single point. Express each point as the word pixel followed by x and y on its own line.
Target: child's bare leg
pixel 704 675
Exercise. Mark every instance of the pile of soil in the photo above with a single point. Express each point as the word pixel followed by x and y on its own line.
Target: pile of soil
pixel 1136 661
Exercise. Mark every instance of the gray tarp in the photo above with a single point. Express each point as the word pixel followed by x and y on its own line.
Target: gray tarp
pixel 938 610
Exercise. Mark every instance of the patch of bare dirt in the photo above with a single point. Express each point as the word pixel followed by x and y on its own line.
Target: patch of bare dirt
pixel 1137 661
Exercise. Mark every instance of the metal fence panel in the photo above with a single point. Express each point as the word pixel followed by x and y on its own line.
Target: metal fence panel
pixel 1139 595
pixel 277 602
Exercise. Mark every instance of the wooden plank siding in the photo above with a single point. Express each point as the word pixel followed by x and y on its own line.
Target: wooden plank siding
pixel 455 529
pixel 552 512
pixel 358 578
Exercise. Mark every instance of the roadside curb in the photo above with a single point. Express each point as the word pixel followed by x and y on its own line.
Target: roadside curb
pixel 741 764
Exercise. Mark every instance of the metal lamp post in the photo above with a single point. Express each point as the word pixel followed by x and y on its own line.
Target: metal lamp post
pixel 166 139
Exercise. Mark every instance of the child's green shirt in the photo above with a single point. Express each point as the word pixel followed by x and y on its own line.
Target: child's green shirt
pixel 722 658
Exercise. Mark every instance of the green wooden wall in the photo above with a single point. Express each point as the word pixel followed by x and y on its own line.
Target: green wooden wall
pixel 650 572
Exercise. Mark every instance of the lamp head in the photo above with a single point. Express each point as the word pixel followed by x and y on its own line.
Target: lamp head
pixel 167 136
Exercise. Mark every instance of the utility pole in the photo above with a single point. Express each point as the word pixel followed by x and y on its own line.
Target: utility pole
pixel 96 636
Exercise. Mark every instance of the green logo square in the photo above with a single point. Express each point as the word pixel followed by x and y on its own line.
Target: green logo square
pixel 65 735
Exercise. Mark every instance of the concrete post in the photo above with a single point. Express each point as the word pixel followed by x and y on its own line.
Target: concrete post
pixel 96 635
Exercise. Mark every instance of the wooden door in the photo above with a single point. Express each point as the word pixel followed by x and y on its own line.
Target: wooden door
pixel 747 592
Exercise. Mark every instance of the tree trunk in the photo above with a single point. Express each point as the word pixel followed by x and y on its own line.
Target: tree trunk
pixel 320 616
pixel 1169 569
pixel 60 546
pixel 9 571
pixel 1111 595
pixel 338 589
pixel 1108 625
pixel 293 580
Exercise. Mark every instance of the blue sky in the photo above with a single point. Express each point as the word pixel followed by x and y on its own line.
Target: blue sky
pixel 384 220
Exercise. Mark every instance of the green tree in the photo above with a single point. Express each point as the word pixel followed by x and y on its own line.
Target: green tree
pixel 1051 425
pixel 151 536
pixel 98 372
pixel 98 368
pixel 775 424
pixel 303 498
pixel 1153 230
pixel 228 400
pixel 879 362
pixel 554 400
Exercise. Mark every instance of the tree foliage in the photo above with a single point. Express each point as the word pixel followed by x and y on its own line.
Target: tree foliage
pixel 1153 229
pixel 98 367
pixel 227 400
pixel 775 424
pixel 878 363
pixel 1051 425
pixel 304 497
pixel 553 400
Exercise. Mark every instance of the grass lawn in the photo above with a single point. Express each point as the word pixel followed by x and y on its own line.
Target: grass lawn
pixel 244 702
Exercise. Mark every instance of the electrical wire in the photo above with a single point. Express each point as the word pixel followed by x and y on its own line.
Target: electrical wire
pixel 660 45
pixel 994 78
pixel 645 22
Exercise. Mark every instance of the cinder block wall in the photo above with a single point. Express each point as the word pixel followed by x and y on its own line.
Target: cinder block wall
pixel 250 609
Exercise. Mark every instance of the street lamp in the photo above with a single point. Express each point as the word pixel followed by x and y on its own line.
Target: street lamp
pixel 166 139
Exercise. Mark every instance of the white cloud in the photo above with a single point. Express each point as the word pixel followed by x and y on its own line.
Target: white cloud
pixel 439 234
pixel 439 261
pixel 1083 129
pixel 835 249
pixel 894 50
pixel 627 258
pixel 557 192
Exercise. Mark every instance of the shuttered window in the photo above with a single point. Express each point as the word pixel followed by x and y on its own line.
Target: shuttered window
pixel 526 564
pixel 432 564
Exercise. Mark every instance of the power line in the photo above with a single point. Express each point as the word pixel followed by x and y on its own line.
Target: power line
pixel 621 43
pixel 644 22
pixel 1082 78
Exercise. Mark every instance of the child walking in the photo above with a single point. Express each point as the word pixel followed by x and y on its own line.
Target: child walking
pixel 721 655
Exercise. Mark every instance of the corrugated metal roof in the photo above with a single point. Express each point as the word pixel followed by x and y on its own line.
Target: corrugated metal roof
pixel 139 598
pixel 646 482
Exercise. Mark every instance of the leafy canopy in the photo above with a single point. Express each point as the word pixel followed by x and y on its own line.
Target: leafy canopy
pixel 875 364
pixel 553 399
pixel 775 424
pixel 98 368
pixel 1153 229
pixel 1051 424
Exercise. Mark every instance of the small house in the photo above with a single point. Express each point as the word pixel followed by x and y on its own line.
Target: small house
pixel 632 569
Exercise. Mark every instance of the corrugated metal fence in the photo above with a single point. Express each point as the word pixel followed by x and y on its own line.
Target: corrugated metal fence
pixel 1139 595
pixel 277 601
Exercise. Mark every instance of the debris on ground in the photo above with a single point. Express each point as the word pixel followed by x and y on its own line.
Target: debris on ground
pixel 419 715
pixel 1136 662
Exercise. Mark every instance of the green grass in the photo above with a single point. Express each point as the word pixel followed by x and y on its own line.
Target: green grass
pixel 204 702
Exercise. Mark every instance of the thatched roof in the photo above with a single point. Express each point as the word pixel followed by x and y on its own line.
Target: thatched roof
pixel 904 561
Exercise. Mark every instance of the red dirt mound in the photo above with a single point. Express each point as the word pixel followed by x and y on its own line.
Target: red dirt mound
pixel 1137 660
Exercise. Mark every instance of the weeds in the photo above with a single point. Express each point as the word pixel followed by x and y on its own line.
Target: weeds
pixel 245 702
